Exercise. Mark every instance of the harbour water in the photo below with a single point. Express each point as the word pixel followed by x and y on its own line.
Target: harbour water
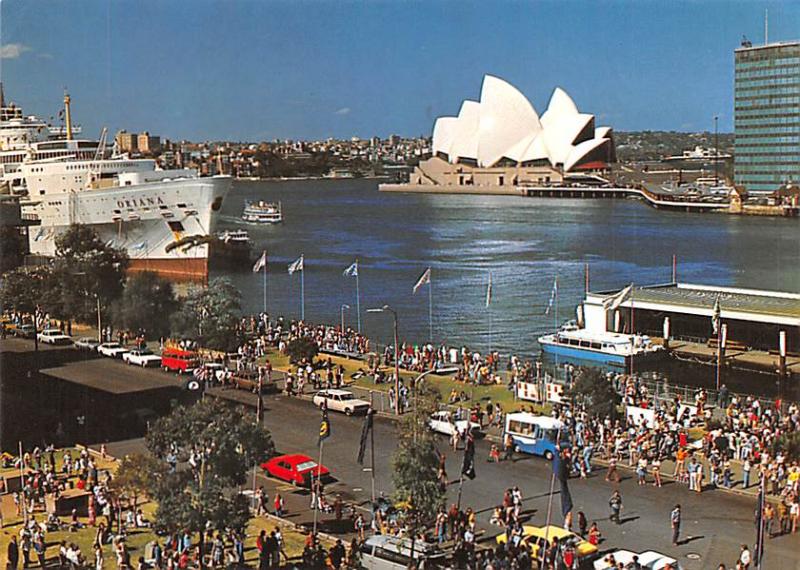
pixel 524 242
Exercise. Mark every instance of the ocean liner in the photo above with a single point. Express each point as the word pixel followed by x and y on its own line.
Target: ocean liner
pixel 163 219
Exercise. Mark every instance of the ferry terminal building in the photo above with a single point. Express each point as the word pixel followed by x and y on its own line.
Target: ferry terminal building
pixel 754 318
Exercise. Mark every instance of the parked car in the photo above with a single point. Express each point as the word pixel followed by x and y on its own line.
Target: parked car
pixel 54 336
pixel 24 331
pixel 87 343
pixel 112 349
pixel 297 469
pixel 180 361
pixel 443 422
pixel 538 537
pixel 341 401
pixel 141 357
pixel 649 560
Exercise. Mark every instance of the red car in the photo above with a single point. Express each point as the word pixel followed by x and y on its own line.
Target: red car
pixel 296 469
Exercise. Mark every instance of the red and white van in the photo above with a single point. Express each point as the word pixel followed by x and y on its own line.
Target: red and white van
pixel 180 361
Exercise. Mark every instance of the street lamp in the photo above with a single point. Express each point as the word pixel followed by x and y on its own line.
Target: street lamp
pixel 343 308
pixel 388 309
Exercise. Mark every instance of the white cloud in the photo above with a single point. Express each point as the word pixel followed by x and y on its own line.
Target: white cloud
pixel 343 111
pixel 13 51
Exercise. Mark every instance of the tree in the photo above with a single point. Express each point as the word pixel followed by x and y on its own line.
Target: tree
pixel 218 445
pixel 596 393
pixel 211 315
pixel 85 268
pixel 25 288
pixel 147 303
pixel 136 475
pixel 415 463
pixel 302 348
pixel 11 248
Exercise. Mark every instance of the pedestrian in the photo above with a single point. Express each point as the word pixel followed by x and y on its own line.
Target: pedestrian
pixel 745 559
pixel 675 523
pixel 279 504
pixel 657 471
pixel 612 474
pixel 582 523
pixel 615 503
pixel 508 446
pixel 12 554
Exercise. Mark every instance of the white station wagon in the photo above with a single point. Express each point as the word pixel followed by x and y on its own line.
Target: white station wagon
pixel 341 401
pixel 54 336
pixel 112 349
pixel 442 422
pixel 141 357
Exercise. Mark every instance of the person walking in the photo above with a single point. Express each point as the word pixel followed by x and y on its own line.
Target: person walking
pixel 12 554
pixel 745 559
pixel 615 503
pixel 675 523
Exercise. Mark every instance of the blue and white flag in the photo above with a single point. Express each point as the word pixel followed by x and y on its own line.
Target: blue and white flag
pixel 296 266
pixel 261 263
pixel 553 295
pixel 423 279
pixel 352 271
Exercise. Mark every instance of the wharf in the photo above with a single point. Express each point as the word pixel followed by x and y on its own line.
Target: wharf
pixel 757 360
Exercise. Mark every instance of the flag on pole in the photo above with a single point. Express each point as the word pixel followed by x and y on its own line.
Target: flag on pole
pixel 261 263
pixel 468 465
pixel 553 295
pixel 715 316
pixel 324 426
pixel 365 429
pixel 613 303
pixel 260 405
pixel 560 471
pixel 423 279
pixel 296 266
pixel 760 505
pixel 351 271
pixel 489 291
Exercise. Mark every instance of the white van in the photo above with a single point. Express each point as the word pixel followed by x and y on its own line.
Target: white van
pixel 383 552
pixel 537 435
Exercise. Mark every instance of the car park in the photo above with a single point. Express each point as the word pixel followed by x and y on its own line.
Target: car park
pixel 443 422
pixel 141 357
pixel 87 343
pixel 340 401
pixel 538 537
pixel 297 469
pixel 54 336
pixel 112 349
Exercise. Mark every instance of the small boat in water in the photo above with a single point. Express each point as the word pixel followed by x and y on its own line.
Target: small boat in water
pixel 231 245
pixel 615 349
pixel 262 212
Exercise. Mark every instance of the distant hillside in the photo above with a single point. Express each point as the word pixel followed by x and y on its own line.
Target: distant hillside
pixel 655 145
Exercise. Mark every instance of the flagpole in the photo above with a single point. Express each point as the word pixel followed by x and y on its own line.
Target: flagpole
pixel 358 301
pixel 550 497
pixel 430 309
pixel 372 443
pixel 317 494
pixel 265 288
pixel 302 289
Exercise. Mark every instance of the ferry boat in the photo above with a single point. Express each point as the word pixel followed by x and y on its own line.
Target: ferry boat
pixel 615 349
pixel 230 246
pixel 262 212
pixel 163 219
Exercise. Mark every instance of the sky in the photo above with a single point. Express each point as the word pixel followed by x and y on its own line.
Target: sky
pixel 248 70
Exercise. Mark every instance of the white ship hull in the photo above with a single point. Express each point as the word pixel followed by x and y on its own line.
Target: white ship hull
pixel 145 220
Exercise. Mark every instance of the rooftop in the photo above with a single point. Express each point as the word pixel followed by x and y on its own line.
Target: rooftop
pixel 701 298
pixel 768 46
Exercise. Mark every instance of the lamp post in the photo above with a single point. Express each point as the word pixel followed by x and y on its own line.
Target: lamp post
pixel 716 151
pixel 345 306
pixel 385 309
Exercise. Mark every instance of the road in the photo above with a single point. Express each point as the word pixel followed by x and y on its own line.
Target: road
pixel 715 523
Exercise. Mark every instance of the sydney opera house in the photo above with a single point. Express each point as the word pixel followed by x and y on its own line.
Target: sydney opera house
pixel 501 141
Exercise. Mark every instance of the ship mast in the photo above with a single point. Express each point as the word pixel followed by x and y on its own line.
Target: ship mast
pixel 67 116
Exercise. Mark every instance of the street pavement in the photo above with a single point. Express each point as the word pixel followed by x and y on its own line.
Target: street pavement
pixel 715 523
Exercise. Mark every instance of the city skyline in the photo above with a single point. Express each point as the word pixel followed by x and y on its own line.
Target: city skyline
pixel 260 71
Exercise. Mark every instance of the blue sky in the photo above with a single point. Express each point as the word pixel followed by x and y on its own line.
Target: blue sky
pixel 259 70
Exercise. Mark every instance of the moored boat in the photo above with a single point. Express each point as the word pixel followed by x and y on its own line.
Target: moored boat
pixel 615 349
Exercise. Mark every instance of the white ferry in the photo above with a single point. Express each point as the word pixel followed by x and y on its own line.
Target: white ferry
pixel 262 212
pixel 615 349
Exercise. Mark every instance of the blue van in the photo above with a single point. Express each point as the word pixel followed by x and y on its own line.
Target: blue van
pixel 536 435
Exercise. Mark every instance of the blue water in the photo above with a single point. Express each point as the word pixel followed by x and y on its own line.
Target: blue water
pixel 524 242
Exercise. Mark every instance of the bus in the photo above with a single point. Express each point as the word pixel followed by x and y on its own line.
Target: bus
pixel 537 435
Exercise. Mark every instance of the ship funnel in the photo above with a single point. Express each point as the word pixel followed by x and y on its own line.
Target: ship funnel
pixel 67 116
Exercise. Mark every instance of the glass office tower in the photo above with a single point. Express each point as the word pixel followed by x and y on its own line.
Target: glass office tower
pixel 767 116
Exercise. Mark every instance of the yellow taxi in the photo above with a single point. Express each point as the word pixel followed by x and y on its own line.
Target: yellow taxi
pixel 537 536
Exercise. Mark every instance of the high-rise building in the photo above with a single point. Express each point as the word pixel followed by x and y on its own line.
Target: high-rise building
pixel 127 142
pixel 767 115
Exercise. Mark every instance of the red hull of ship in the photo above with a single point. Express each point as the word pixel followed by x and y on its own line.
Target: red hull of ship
pixel 178 270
